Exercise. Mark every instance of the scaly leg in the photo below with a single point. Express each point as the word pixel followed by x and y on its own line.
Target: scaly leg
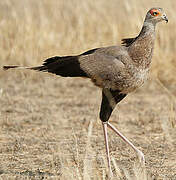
pixel 107 146
pixel 140 154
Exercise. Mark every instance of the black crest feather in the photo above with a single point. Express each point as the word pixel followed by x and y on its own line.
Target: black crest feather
pixel 128 41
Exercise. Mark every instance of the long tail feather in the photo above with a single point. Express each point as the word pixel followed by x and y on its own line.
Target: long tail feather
pixel 37 68
pixel 66 66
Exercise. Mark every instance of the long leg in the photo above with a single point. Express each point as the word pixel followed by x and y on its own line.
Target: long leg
pixel 109 101
pixel 107 146
pixel 140 154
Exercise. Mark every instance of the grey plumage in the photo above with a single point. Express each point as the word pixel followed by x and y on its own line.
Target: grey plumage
pixel 118 70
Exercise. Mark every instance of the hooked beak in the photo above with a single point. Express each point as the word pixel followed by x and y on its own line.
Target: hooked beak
pixel 164 17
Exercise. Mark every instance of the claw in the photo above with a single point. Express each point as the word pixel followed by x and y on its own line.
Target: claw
pixel 141 157
pixel 110 174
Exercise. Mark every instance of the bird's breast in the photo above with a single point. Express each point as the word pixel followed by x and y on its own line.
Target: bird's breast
pixel 133 81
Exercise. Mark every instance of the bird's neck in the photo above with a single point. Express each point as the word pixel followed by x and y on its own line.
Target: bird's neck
pixel 141 50
pixel 148 28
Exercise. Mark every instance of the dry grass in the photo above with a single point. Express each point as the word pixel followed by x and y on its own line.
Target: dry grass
pixel 49 126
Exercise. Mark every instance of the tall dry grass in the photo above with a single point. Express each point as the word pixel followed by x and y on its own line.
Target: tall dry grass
pixel 34 30
pixel 31 31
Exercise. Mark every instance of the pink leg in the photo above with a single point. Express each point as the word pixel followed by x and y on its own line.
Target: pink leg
pixel 107 146
pixel 140 154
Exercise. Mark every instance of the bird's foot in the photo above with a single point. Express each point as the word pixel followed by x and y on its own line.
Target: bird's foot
pixel 110 174
pixel 141 157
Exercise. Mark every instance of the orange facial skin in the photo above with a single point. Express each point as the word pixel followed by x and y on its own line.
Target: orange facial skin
pixel 154 12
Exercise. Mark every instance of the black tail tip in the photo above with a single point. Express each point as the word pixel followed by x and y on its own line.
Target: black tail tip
pixel 9 67
pixel 5 68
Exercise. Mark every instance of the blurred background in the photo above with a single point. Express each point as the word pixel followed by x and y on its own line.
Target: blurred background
pixel 46 127
pixel 34 30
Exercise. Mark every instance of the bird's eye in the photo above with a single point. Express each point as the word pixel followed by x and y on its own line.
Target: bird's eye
pixel 155 13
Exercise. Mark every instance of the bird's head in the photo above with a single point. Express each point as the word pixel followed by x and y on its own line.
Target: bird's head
pixel 155 15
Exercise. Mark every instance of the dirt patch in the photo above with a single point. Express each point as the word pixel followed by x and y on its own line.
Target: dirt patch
pixel 45 122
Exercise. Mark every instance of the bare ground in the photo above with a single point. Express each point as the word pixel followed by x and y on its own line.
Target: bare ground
pixel 50 129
